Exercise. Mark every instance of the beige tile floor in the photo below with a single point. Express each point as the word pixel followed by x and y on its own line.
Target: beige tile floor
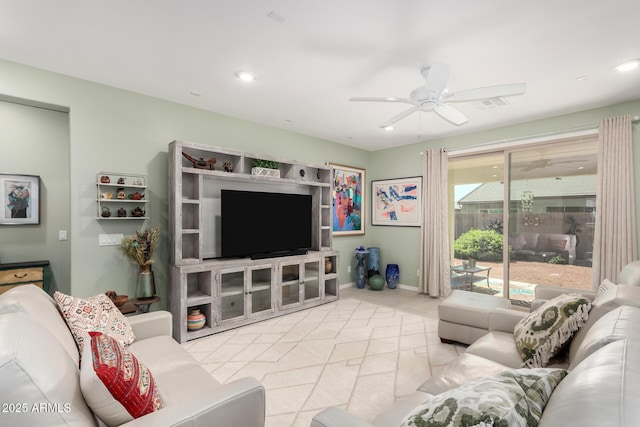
pixel 360 353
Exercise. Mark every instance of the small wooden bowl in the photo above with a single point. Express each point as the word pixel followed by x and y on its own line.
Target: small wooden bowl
pixel 121 300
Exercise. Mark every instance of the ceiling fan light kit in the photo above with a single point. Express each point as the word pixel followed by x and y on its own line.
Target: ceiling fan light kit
pixel 433 96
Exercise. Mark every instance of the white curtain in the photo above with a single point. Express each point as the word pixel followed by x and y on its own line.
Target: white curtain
pixel 435 275
pixel 615 240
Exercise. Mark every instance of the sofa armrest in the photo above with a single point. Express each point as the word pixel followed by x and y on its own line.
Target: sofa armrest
pixel 504 319
pixel 546 292
pixel 337 417
pixel 238 403
pixel 152 324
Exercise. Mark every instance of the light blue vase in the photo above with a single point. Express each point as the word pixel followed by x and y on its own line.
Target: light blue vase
pixel 373 261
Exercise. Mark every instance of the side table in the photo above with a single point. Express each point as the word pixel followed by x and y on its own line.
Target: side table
pixel 143 304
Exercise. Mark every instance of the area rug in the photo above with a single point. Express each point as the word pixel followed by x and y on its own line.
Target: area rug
pixel 520 293
pixel 350 353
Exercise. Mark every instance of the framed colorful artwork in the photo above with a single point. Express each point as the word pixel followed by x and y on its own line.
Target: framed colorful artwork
pixel 20 196
pixel 397 202
pixel 348 200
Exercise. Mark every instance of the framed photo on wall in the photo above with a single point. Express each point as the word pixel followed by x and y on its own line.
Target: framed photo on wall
pixel 348 200
pixel 20 195
pixel 397 202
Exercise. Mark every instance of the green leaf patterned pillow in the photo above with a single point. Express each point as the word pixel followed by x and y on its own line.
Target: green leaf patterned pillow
pixel 541 334
pixel 512 398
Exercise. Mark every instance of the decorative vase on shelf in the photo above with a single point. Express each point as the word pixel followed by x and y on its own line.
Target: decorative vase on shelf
pixel 392 274
pixel 195 320
pixel 361 273
pixel 328 265
pixel 146 284
pixel 373 261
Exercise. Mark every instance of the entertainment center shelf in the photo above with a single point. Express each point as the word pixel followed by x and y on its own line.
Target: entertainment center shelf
pixel 235 292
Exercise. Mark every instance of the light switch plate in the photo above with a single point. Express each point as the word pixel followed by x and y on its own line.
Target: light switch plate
pixel 110 239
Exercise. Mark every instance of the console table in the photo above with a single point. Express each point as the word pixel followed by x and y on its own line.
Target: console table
pixel 24 273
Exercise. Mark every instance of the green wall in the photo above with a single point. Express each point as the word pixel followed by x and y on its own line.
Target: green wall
pixel 35 141
pixel 401 245
pixel 120 131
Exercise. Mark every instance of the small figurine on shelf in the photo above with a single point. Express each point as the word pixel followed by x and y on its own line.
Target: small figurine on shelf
pixel 121 181
pixel 121 195
pixel 104 179
pixel 201 163
pixel 137 212
pixel 136 196
pixel 302 174
pixel 106 213
pixel 227 166
pixel 122 213
pixel 137 182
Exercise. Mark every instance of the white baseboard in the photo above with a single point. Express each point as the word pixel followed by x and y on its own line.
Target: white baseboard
pixel 400 286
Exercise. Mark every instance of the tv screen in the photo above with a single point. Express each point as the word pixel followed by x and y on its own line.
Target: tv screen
pixel 260 224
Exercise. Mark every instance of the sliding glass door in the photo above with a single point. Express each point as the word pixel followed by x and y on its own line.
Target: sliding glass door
pixel 538 204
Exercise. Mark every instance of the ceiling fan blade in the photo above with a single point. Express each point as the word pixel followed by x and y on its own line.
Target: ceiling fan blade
pixel 379 99
pixel 400 116
pixel 486 92
pixel 450 114
pixel 436 77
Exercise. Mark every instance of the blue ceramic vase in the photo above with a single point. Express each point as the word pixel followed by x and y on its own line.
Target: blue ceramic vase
pixel 392 274
pixel 361 272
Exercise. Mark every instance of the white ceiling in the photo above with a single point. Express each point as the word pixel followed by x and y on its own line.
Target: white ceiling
pixel 311 56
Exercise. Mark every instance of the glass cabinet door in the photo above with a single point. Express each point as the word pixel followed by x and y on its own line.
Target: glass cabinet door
pixel 311 280
pixel 290 284
pixel 232 302
pixel 260 289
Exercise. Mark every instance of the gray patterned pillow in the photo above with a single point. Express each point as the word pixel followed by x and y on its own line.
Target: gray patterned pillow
pixel 512 398
pixel 541 334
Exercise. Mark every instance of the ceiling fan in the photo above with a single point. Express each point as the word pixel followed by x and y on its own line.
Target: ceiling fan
pixel 433 96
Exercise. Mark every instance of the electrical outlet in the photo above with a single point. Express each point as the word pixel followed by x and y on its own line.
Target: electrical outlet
pixel 418 273
pixel 62 234
pixel 110 239
pixel 348 269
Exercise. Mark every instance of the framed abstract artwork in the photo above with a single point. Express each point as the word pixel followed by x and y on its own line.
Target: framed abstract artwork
pixel 397 202
pixel 20 196
pixel 348 200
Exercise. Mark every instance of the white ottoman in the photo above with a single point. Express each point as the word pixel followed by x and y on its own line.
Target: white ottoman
pixel 464 315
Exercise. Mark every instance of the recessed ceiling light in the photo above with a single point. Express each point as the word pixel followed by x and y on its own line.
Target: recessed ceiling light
pixel 628 66
pixel 581 79
pixel 580 167
pixel 245 76
pixel 388 128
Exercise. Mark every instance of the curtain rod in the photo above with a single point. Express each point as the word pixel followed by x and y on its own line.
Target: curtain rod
pixel 534 138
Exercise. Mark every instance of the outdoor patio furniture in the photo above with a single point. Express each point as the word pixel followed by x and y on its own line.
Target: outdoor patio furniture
pixel 543 246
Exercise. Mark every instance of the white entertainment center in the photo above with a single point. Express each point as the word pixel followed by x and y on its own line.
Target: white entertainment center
pixel 236 292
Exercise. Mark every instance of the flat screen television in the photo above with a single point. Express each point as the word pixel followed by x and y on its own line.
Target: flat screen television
pixel 263 225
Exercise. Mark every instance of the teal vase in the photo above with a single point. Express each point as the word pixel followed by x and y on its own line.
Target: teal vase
pixel 376 282
pixel 146 283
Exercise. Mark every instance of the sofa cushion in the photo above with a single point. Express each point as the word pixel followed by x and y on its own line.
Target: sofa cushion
pixel 604 286
pixel 96 313
pixel 630 274
pixel 531 240
pixel 601 391
pixel 38 374
pixel 517 242
pixel 541 334
pixel 613 298
pixel 115 385
pixel 621 323
pixel 556 244
pixel 40 307
pixel 499 347
pixel 510 398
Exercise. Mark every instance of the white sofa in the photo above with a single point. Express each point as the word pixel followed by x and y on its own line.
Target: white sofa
pixel 543 246
pixel 40 379
pixel 603 359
